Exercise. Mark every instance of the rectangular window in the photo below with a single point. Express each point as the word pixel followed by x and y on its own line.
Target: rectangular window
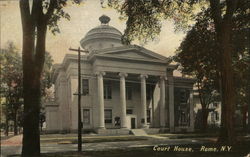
pixel 148 116
pixel 107 90
pixel 85 86
pixel 129 92
pixel 149 91
pixel 216 116
pixel 108 115
pixel 183 96
pixel 86 116
pixel 129 111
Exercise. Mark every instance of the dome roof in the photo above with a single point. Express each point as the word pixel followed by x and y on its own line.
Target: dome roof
pixel 103 29
pixel 101 35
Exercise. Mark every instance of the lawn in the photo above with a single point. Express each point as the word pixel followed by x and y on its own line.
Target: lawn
pixel 96 139
pixel 239 151
pixel 187 135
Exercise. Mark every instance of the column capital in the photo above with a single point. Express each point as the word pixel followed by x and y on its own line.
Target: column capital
pixel 100 73
pixel 143 76
pixel 122 74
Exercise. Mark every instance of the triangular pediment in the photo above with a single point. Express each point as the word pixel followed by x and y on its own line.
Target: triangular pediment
pixel 133 52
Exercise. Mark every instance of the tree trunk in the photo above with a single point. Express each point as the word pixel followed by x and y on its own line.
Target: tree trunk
pixel 248 119
pixel 204 119
pixel 31 95
pixel 31 88
pixel 15 122
pixel 248 116
pixel 248 100
pixel 227 132
pixel 7 127
pixel 244 118
pixel 223 27
pixel 33 61
pixel 31 134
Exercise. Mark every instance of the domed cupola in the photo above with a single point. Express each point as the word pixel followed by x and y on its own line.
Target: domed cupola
pixel 101 37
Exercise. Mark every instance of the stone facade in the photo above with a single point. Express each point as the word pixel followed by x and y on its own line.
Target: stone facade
pixel 123 87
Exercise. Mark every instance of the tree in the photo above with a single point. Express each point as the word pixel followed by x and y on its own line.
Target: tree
pixel 36 17
pixel 242 68
pixel 11 84
pixel 46 84
pixel 195 53
pixel 46 77
pixel 143 21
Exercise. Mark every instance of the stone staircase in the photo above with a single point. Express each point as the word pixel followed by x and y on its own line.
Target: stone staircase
pixel 138 132
pixel 106 132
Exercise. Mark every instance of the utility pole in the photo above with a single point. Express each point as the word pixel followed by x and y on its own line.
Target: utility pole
pixel 80 126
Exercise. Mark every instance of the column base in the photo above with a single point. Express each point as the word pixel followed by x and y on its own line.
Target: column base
pixel 100 130
pixel 164 130
pixel 172 129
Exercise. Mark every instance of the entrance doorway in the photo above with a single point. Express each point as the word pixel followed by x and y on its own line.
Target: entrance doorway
pixel 132 123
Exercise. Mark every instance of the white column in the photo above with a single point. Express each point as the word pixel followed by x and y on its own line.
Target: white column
pixel 191 107
pixel 123 99
pixel 171 104
pixel 100 99
pixel 143 101
pixel 162 102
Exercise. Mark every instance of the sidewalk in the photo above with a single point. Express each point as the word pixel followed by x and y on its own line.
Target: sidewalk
pixel 12 141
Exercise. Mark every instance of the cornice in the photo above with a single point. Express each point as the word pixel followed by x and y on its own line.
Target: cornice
pixel 105 53
pixel 155 61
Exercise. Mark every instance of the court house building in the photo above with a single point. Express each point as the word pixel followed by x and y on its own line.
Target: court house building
pixel 124 87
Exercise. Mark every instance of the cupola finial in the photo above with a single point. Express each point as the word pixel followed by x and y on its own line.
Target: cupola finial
pixel 104 19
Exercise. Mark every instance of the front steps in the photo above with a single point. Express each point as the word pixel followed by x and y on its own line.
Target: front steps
pixel 105 132
pixel 138 132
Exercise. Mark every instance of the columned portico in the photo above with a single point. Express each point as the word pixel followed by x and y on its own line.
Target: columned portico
pixel 114 88
pixel 162 102
pixel 143 101
pixel 100 99
pixel 123 99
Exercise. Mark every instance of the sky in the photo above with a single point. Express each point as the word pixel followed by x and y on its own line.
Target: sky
pixel 83 18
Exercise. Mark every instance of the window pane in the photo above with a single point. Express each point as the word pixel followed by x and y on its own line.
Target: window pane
pixel 129 111
pixel 107 90
pixel 183 96
pixel 129 92
pixel 148 116
pixel 149 91
pixel 108 115
pixel 86 116
pixel 85 86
